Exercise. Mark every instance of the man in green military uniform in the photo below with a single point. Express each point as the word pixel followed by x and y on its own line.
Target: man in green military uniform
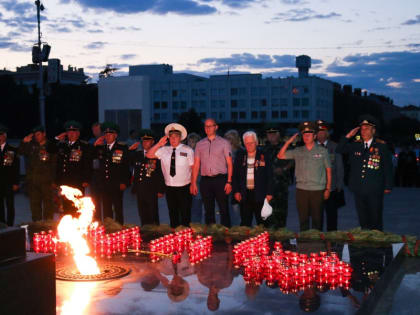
pixel 40 172
pixel 281 179
pixel 313 176
pixel 370 171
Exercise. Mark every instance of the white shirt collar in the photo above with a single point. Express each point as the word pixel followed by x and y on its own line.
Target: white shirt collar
pixel 111 145
pixel 325 142
pixel 2 146
pixel 368 142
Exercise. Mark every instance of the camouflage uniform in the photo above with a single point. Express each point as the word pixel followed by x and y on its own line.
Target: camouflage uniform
pixel 281 179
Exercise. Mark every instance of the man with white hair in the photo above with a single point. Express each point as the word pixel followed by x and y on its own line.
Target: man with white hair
pixel 252 179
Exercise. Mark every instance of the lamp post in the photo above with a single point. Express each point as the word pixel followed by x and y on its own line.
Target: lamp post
pixel 39 8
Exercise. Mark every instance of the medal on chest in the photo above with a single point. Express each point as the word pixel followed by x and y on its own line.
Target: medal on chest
pixel 8 158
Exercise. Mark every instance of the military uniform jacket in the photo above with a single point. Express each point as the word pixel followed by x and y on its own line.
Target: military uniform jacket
pixel 281 168
pixel 9 167
pixel 148 177
pixel 113 164
pixel 41 161
pixel 337 166
pixel 371 170
pixel 73 163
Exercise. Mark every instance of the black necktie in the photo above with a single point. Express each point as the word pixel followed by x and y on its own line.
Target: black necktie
pixel 173 171
pixel 366 147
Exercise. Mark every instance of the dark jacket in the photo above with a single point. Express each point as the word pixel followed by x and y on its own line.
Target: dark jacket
pixel 263 176
pixel 9 167
pixel 41 162
pixel 371 170
pixel 148 177
pixel 113 165
pixel 74 165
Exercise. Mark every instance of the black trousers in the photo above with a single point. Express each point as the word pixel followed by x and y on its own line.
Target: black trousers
pixel 310 204
pixel 112 198
pixel 369 210
pixel 213 190
pixel 331 208
pixel 96 195
pixel 147 205
pixel 7 196
pixel 179 202
pixel 250 207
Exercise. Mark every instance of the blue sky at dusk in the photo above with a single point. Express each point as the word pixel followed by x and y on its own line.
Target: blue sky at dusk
pixel 374 45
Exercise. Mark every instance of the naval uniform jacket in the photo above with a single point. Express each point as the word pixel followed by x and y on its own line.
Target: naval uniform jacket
pixel 73 163
pixel 371 169
pixel 9 168
pixel 148 177
pixel 113 165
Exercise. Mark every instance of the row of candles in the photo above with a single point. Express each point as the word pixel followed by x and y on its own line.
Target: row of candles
pixel 290 270
pixel 102 245
pixel 175 244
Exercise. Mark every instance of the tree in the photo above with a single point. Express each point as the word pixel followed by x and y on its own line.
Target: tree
pixel 191 121
pixel 107 72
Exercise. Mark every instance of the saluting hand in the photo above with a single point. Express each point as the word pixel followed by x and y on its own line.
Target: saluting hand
pixel 99 141
pixel 28 138
pixel 163 141
pixel 61 136
pixel 134 146
pixel 292 138
pixel 352 133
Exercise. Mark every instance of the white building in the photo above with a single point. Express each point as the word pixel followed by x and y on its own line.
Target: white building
pixel 161 96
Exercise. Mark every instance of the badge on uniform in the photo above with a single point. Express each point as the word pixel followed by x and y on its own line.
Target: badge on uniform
pixel 185 154
pixel 317 155
pixel 75 155
pixel 9 156
pixel 117 156
pixel 44 156
pixel 358 153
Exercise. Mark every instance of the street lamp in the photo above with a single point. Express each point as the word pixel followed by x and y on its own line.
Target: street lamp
pixel 40 54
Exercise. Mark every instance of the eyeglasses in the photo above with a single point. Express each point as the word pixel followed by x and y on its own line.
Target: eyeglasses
pixel 209 126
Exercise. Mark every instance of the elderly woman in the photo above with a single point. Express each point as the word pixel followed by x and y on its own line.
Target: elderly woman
pixel 252 179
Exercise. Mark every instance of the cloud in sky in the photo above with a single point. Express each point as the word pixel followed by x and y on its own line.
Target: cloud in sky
pixel 301 15
pixel 251 61
pixel 414 21
pixel 95 45
pixel 294 2
pixel 128 56
pixel 182 7
pixel 8 43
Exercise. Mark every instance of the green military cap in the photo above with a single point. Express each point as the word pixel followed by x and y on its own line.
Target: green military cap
pixel 38 128
pixel 307 126
pixel 322 125
pixel 3 129
pixel 367 120
pixel 271 129
pixel 147 134
pixel 110 127
pixel 72 125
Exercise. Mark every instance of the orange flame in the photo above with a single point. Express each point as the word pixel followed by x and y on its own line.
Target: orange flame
pixel 74 230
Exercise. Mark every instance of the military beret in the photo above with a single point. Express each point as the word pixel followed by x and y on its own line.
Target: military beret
pixel 146 134
pixel 307 126
pixel 72 125
pixel 367 120
pixel 3 129
pixel 322 125
pixel 110 127
pixel 38 128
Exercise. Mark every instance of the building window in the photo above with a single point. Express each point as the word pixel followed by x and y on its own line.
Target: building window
pixel 156 105
pixel 242 115
pixel 156 95
pixel 263 102
pixel 305 114
pixel 283 114
pixel 164 94
pixel 242 91
pixel 202 92
pixel 242 103
pixel 182 93
pixel 275 102
pixel 164 105
pixel 254 91
pixel 283 102
pixel 214 92
pixel 305 90
pixel 175 116
pixel 296 101
pixel 305 101
pixel 222 92
pixel 254 115
pixel 183 105
pixel 156 116
pixel 194 92
pixel 263 114
pixel 175 105
pixel 296 114
pixel 214 103
pixel 233 91
pixel 275 90
pixel 174 93
pixel 255 102
pixel 234 103
pixel 222 116
pixel 222 103
pixel 275 114
pixel 263 91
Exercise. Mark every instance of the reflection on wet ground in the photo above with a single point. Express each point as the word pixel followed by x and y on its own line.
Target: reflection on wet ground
pixel 215 285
